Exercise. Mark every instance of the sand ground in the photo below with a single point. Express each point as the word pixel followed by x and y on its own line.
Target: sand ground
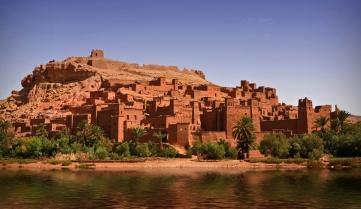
pixel 153 164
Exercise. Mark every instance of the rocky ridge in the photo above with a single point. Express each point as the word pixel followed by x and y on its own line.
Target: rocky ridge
pixel 54 86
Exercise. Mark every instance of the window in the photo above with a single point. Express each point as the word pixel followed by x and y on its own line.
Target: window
pixel 135 117
pixel 127 117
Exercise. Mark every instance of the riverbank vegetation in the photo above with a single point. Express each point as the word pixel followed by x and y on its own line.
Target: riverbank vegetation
pixel 338 140
pixel 88 143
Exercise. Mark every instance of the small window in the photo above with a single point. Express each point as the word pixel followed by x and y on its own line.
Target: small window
pixel 127 117
pixel 135 117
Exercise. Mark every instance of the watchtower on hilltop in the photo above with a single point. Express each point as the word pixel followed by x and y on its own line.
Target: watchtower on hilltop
pixel 97 53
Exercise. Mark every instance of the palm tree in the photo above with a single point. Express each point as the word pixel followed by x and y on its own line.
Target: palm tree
pixel 342 117
pixel 138 133
pixel 160 136
pixel 243 132
pixel 321 123
pixel 338 123
pixel 89 134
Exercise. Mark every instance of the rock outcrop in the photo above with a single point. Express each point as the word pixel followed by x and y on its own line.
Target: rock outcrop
pixel 54 86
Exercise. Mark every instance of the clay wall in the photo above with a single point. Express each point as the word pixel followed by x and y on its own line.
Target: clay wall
pixel 207 136
pixel 212 120
pixel 179 134
pixel 288 124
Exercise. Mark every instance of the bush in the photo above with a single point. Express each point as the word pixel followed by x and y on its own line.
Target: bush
pixel 198 148
pixel 34 147
pixel 153 148
pixel 169 152
pixel 123 149
pixel 214 151
pixel 232 153
pixel 115 156
pixel 132 148
pixel 347 143
pixel 49 147
pixel 307 146
pixel 64 145
pixel 142 150
pixel 275 145
pixel 101 152
pixel 76 147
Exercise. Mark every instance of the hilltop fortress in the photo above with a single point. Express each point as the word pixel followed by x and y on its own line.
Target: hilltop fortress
pixel 119 96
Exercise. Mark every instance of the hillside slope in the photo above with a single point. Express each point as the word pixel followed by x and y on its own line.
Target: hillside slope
pixel 54 86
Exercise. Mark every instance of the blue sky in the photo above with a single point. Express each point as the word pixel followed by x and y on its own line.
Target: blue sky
pixel 303 48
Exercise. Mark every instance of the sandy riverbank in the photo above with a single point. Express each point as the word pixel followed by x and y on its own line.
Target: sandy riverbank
pixel 152 164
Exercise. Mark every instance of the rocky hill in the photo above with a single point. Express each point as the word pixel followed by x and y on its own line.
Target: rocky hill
pixel 54 86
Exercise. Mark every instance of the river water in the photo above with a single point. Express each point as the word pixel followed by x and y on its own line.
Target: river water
pixel 181 188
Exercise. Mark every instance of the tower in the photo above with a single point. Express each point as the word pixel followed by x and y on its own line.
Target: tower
pixel 305 116
pixel 97 53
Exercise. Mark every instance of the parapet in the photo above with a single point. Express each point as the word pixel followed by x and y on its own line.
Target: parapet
pixel 305 102
pixel 97 53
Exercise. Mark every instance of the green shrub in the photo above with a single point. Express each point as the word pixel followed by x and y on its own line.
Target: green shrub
pixel 64 145
pixel 29 147
pixel 232 153
pixel 275 145
pixel 132 148
pixel 153 148
pixel 76 147
pixel 115 156
pixel 198 148
pixel 347 144
pixel 49 147
pixel 295 149
pixel 306 146
pixel 169 152
pixel 315 154
pixel 101 152
pixel 214 151
pixel 123 149
pixel 142 150
pixel 34 146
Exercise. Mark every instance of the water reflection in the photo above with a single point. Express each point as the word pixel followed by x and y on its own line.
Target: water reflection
pixel 181 189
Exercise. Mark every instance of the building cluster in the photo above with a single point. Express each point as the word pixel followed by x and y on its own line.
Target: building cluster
pixel 185 113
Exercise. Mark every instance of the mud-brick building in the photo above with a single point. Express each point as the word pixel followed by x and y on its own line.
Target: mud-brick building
pixel 185 112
